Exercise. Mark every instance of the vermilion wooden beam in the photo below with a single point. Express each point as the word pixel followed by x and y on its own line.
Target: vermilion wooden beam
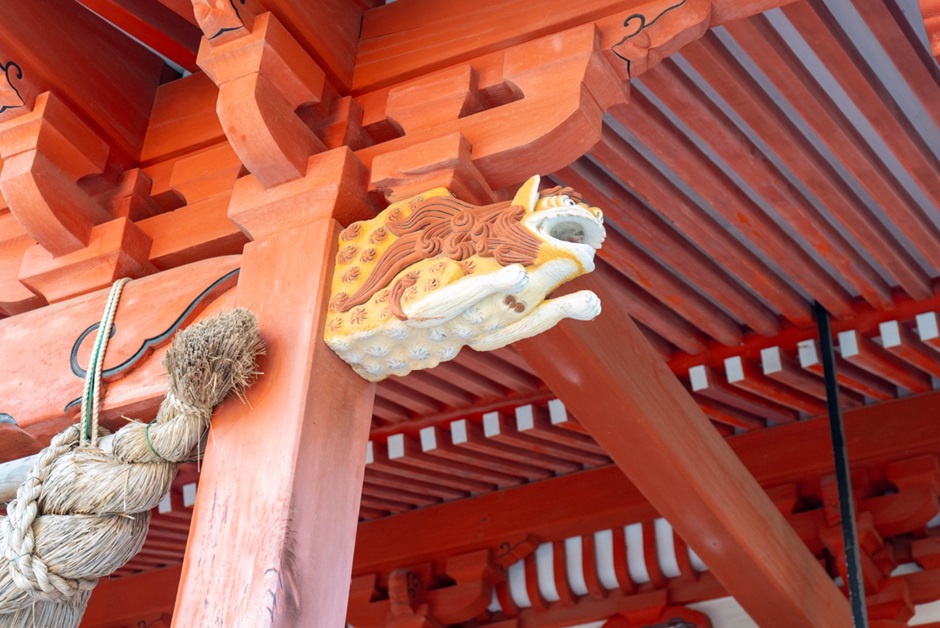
pixel 786 454
pixel 659 238
pixel 821 31
pixel 627 398
pixel 652 127
pixel 155 25
pixel 690 105
pixel 637 174
pixel 99 72
pixel 864 320
pixel 399 42
pixel 930 9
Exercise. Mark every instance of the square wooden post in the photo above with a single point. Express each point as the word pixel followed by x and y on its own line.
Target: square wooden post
pixel 274 525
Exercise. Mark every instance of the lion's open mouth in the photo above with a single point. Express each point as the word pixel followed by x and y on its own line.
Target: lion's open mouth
pixel 574 228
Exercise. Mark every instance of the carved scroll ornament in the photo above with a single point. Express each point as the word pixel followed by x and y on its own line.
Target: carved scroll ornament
pixel 432 274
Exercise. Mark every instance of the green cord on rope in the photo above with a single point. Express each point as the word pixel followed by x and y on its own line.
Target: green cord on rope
pixel 92 390
pixel 149 444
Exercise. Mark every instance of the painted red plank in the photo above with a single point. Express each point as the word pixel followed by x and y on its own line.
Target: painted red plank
pixel 155 25
pixel 652 127
pixel 663 241
pixel 686 101
pixel 768 50
pixel 630 167
pixel 848 66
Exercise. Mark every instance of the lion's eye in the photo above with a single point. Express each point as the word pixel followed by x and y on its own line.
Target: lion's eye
pixel 569 202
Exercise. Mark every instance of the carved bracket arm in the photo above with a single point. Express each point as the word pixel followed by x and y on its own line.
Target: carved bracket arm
pixel 264 76
pixel 45 152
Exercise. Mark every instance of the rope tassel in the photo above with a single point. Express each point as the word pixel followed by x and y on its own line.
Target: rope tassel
pixel 83 512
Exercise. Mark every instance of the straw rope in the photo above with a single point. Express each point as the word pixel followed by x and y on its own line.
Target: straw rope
pixel 83 512
pixel 91 393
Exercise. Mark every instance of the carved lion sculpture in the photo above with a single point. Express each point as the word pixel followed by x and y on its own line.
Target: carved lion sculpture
pixel 431 274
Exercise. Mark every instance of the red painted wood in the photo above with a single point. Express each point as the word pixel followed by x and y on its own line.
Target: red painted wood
pixel 639 175
pixel 667 446
pixel 436 441
pixel 666 141
pixel 653 233
pixel 155 25
pixel 637 302
pixel 477 441
pixel 768 50
pixel 848 67
pixel 95 69
pixel 693 107
pixel 129 601
pixel 749 377
pixel 296 454
pixel 873 358
pixel 146 310
pixel 712 384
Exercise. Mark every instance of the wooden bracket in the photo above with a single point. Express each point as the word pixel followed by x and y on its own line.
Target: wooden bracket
pixel 15 298
pixel 264 76
pixel 334 185
pixel 130 198
pixel 442 162
pixel 45 152
pixel 410 601
pixel 117 248
pixel 648 37
pixel 222 21
pixel 519 113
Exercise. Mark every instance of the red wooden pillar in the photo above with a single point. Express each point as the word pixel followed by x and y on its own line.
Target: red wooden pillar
pixel 274 524
pixel 621 390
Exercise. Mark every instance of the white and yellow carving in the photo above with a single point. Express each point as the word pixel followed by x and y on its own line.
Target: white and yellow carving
pixel 474 276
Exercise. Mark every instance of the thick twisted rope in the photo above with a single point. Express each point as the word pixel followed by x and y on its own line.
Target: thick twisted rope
pixel 83 512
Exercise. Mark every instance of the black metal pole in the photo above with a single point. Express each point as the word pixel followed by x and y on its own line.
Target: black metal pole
pixel 846 505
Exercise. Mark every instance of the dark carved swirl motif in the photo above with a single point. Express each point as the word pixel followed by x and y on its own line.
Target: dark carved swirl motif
pixel 638 23
pixel 238 16
pixel 146 345
pixel 9 91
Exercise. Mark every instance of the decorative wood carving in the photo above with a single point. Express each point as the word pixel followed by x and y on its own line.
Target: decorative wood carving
pixel 413 594
pixel 224 20
pixel 147 309
pixel 10 98
pixel 930 9
pixel 263 77
pixel 660 30
pixel 541 117
pixel 432 274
